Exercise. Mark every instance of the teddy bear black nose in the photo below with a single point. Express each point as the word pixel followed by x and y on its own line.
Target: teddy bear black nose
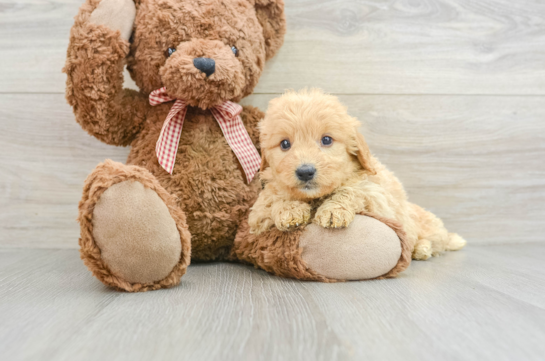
pixel 305 172
pixel 206 65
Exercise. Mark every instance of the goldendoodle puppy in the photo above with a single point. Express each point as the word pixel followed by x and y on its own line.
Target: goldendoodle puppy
pixel 316 166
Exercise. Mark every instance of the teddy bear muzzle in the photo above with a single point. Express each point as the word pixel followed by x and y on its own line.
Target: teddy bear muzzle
pixel 204 73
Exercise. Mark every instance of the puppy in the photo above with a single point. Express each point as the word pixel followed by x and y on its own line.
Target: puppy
pixel 317 167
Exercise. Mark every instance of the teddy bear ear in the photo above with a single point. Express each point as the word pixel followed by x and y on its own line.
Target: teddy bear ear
pixel 270 14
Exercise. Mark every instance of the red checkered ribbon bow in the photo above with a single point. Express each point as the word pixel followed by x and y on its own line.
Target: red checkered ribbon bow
pixel 228 116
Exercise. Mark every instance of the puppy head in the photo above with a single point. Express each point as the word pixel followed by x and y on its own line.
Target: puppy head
pixel 310 145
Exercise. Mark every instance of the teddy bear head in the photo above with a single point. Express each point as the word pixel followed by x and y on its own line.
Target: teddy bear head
pixel 204 51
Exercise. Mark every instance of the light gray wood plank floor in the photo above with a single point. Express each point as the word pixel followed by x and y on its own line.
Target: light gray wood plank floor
pixel 482 303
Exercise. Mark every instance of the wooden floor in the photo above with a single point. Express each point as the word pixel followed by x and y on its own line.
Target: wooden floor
pixel 483 303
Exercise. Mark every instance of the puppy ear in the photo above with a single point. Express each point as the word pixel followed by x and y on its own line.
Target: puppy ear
pixel 363 154
pixel 264 163
pixel 270 14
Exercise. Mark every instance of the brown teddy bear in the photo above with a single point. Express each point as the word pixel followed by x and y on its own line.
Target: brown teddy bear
pixel 190 177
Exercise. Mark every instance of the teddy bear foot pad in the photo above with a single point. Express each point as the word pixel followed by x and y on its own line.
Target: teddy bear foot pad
pixel 341 254
pixel 133 235
pixel 137 236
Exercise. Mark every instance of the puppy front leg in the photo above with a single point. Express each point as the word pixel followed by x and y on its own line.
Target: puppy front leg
pixel 288 215
pixel 271 210
pixel 339 210
pixel 341 207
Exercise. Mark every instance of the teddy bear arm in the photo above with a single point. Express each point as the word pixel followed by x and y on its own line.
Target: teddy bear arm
pixel 94 67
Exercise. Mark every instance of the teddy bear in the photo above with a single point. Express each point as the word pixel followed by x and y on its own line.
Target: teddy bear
pixel 192 173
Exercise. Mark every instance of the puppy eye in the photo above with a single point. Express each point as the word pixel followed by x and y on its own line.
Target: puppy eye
pixel 285 144
pixel 234 50
pixel 169 52
pixel 327 141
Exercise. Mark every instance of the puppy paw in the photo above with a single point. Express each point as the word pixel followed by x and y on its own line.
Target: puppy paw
pixel 333 216
pixel 292 215
pixel 422 250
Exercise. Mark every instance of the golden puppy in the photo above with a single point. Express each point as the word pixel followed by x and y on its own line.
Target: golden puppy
pixel 317 166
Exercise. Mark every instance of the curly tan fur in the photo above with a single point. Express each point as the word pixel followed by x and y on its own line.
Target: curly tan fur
pixel 207 183
pixel 348 179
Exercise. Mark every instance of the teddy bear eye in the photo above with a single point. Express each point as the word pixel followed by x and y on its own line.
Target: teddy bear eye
pixel 285 144
pixel 327 140
pixel 234 50
pixel 169 52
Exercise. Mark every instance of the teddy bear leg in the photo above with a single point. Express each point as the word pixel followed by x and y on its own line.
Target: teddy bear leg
pixel 133 234
pixel 371 247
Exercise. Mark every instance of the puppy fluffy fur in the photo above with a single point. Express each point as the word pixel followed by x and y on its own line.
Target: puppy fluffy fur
pixel 347 179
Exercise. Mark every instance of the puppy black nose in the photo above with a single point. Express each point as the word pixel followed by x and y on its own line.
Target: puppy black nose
pixel 206 65
pixel 305 172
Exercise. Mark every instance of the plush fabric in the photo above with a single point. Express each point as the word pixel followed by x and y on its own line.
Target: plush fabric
pixel 104 176
pixel 116 14
pixel 135 232
pixel 207 194
pixel 366 249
